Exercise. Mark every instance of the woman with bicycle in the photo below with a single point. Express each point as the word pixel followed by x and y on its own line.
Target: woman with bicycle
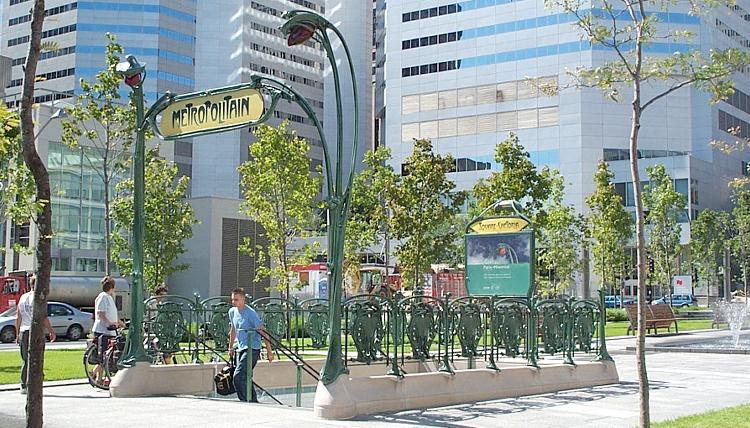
pixel 105 322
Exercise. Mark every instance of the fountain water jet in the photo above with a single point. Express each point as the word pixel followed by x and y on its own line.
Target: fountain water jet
pixel 735 314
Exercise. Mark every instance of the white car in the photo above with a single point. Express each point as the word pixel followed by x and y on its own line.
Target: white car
pixel 66 320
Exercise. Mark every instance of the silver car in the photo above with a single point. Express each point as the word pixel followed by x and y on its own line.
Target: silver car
pixel 66 320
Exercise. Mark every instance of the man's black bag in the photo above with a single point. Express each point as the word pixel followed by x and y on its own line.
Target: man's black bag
pixel 224 380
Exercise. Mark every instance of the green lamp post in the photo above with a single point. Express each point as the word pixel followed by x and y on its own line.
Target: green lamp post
pixel 134 75
pixel 300 27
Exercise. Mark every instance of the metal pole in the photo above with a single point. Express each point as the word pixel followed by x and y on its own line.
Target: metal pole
pixel 134 351
pixel 249 359
pixel 603 354
pixel 299 384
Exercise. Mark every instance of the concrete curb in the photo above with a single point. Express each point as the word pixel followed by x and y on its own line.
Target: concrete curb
pixel 50 384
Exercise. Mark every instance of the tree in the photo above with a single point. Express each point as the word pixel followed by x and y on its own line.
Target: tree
pixel 518 180
pixel 108 125
pixel 367 214
pixel 280 194
pixel 624 30
pixel 665 207
pixel 34 403
pixel 740 243
pixel 610 226
pixel 562 241
pixel 423 202
pixel 169 223
pixel 710 236
pixel 17 187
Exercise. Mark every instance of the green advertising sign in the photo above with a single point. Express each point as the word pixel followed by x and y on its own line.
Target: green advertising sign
pixel 500 257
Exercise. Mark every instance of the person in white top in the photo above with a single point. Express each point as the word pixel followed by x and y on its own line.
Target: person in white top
pixel 105 319
pixel 24 312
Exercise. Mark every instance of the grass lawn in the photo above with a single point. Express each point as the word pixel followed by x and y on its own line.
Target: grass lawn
pixel 620 328
pixel 731 417
pixel 58 365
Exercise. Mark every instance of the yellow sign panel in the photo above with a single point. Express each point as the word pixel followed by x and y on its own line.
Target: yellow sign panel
pixel 499 225
pixel 211 112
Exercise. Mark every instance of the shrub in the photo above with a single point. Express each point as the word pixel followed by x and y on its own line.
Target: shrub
pixel 614 315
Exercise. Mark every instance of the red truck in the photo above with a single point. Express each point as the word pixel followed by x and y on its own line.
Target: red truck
pixel 12 288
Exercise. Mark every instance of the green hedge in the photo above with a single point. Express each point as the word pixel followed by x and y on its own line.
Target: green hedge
pixel 615 315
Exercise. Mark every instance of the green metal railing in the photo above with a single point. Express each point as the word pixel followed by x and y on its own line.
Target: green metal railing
pixel 393 331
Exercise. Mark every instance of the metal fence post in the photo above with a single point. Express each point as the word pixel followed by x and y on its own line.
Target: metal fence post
pixel 299 384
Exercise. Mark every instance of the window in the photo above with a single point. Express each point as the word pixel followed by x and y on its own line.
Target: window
pixel 486 123
pixel 447 128
pixel 428 102
pixel 466 97
pixel 486 95
pixel 506 92
pixel 507 121
pixel 409 131
pixel 55 310
pixel 447 99
pixel 428 130
pixel 548 117
pixel 527 119
pixel 466 125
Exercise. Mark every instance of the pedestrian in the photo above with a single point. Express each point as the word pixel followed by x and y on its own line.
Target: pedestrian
pixel 24 312
pixel 105 321
pixel 245 322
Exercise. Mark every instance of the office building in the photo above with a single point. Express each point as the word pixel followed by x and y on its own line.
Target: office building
pixel 455 72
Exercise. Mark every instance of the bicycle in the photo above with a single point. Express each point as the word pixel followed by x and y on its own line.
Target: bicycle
pixel 114 348
pixel 108 367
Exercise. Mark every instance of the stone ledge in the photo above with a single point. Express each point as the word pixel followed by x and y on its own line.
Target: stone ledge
pixel 350 397
pixel 145 380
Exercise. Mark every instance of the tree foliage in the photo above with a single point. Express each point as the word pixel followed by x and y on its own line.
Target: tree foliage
pixel 518 180
pixel 367 215
pixel 280 194
pixel 169 221
pixel 610 226
pixel 17 187
pixel 740 243
pixel 665 207
pixel 423 202
pixel 710 236
pixel 104 124
pixel 561 241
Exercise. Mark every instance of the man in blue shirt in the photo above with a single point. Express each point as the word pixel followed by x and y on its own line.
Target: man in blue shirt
pixel 244 324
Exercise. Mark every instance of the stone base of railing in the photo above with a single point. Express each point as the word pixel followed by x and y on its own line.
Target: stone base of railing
pixel 349 397
pixel 145 380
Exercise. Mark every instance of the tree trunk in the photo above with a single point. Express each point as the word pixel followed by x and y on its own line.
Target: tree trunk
pixel 727 275
pixel 107 226
pixel 641 259
pixel 34 404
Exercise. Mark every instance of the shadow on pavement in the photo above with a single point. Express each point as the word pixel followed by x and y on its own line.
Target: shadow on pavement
pixel 452 416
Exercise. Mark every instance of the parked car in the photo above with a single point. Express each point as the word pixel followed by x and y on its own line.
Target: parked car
pixel 66 320
pixel 678 300
pixel 617 301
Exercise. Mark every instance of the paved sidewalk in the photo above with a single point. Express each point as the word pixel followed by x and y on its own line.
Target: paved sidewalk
pixel 681 384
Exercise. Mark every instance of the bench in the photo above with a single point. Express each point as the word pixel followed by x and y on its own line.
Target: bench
pixel 657 316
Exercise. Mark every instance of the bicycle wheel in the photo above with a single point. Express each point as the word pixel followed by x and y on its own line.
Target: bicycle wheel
pixel 90 363
pixel 110 365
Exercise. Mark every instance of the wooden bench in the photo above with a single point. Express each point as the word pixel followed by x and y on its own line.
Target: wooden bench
pixel 657 316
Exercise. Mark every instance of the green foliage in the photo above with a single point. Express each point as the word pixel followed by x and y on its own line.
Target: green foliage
pixel 280 191
pixel 710 235
pixel 616 315
pixel 610 226
pixel 367 214
pixel 664 206
pixel 169 221
pixel 740 243
pixel 17 187
pixel 100 121
pixel 561 241
pixel 423 202
pixel 518 180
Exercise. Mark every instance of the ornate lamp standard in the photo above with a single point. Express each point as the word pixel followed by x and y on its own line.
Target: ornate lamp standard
pixel 134 75
pixel 300 27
